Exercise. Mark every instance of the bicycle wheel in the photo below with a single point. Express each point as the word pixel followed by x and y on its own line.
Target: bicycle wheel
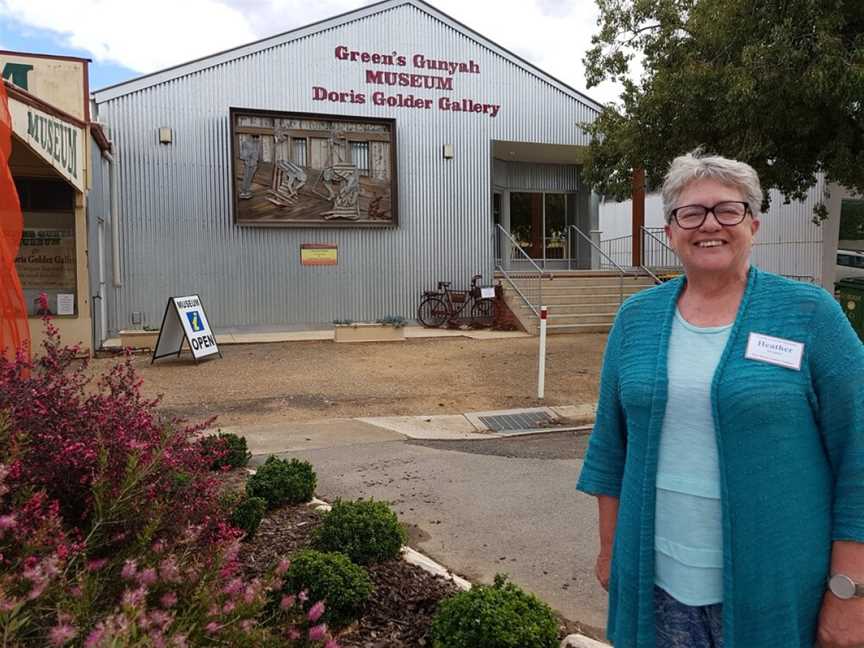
pixel 432 312
pixel 483 312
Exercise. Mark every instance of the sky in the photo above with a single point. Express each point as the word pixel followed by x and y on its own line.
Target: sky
pixel 128 38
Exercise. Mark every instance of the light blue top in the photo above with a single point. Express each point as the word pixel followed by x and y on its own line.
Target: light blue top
pixel 688 532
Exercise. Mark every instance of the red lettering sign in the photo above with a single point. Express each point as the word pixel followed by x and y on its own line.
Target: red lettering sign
pixel 441 82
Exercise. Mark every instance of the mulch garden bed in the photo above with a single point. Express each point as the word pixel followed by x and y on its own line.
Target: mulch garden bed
pixel 400 611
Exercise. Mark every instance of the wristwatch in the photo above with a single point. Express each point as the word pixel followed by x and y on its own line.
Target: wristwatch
pixel 844 587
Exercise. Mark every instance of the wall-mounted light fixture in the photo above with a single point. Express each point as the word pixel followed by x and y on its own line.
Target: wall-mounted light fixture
pixel 166 136
pixel 448 151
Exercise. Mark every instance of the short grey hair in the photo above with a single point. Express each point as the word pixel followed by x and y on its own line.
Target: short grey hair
pixel 697 166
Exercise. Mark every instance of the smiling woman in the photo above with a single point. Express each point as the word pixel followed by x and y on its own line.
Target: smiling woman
pixel 741 418
pixel 712 230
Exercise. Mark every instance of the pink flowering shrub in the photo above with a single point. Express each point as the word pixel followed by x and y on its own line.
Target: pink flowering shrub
pixel 82 446
pixel 112 528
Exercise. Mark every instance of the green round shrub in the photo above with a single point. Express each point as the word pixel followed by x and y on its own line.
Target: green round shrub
pixel 366 531
pixel 248 513
pixel 333 578
pixel 497 616
pixel 227 450
pixel 280 481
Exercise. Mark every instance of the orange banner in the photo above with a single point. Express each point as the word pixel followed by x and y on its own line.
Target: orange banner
pixel 14 332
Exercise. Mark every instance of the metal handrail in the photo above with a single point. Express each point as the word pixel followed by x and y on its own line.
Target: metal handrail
pixel 674 254
pixel 608 258
pixel 617 245
pixel 616 238
pixel 645 230
pixel 656 279
pixel 501 269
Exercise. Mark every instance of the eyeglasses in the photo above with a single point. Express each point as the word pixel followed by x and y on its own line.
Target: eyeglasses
pixel 728 213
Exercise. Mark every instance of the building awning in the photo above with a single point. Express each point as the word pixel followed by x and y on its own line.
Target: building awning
pixel 56 137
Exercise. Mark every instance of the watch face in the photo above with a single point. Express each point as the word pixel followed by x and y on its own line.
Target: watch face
pixel 842 586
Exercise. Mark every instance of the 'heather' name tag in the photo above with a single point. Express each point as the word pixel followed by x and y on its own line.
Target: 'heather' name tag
pixel 773 350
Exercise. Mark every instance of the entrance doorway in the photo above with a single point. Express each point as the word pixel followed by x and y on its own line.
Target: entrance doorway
pixel 539 224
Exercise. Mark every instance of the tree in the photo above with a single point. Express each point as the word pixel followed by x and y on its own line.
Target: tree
pixel 776 83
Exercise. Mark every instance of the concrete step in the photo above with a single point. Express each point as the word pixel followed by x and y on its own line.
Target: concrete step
pixel 586 281
pixel 573 309
pixel 572 274
pixel 580 290
pixel 514 301
pixel 573 298
pixel 585 303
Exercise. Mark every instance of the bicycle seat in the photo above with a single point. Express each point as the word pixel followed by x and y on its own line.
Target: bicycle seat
pixel 443 284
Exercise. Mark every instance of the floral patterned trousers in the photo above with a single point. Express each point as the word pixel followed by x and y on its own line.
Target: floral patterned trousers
pixel 685 626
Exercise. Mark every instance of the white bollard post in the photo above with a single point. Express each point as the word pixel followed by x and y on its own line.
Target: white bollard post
pixel 541 371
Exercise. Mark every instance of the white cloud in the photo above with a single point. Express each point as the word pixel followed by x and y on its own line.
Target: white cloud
pixel 151 35
pixel 143 36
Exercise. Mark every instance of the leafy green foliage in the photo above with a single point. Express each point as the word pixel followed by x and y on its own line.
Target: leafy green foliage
pixel 366 531
pixel 227 450
pixel 280 481
pixel 333 578
pixel 500 616
pixel 248 513
pixel 396 321
pixel 776 83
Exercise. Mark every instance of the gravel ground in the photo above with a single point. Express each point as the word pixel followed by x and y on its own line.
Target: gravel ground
pixel 306 381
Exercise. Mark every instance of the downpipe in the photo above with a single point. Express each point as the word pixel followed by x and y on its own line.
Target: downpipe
pixel 117 279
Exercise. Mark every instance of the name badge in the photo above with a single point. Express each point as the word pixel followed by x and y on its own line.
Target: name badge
pixel 776 351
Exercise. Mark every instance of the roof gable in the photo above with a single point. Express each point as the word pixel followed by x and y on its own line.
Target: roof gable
pixel 178 71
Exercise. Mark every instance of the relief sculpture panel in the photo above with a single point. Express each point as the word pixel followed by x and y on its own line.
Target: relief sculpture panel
pixel 306 170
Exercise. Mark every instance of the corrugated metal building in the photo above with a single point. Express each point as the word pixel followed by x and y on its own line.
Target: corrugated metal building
pixel 489 126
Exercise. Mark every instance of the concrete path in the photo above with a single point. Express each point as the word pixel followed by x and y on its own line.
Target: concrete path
pixel 279 437
pixel 265 335
pixel 477 512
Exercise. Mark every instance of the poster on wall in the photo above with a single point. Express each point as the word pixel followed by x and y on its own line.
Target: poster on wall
pixel 309 170
pixel 46 264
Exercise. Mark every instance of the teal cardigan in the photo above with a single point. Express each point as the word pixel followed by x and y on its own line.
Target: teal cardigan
pixel 791 451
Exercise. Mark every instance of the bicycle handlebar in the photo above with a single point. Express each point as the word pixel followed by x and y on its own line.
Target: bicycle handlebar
pixel 446 284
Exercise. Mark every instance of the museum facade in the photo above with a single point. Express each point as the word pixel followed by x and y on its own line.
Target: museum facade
pixel 333 172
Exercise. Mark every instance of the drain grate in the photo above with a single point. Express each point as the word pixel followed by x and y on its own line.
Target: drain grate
pixel 518 422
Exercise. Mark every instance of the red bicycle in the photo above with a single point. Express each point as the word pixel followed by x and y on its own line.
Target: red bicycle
pixel 444 305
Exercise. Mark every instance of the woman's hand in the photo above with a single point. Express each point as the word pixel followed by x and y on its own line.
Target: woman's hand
pixel 841 623
pixel 608 507
pixel 602 567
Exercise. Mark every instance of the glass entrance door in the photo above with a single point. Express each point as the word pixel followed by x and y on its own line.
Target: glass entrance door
pixel 555 226
pixel 538 224
pixel 526 223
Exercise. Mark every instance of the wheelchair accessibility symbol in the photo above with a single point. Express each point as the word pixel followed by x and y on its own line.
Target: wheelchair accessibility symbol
pixel 195 321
